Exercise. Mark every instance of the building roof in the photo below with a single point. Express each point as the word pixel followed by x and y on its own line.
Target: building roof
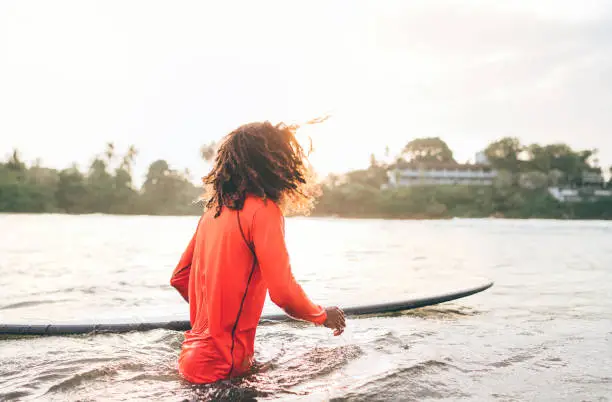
pixel 438 166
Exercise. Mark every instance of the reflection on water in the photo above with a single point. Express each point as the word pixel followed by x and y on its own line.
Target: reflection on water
pixel 543 332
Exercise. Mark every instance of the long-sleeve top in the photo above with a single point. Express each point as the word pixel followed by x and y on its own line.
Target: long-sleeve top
pixel 230 264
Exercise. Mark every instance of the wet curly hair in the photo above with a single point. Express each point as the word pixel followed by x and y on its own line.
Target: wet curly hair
pixel 264 160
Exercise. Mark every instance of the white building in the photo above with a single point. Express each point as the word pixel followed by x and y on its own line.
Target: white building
pixel 578 195
pixel 481 158
pixel 411 174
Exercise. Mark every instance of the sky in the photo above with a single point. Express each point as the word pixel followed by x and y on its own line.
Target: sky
pixel 170 76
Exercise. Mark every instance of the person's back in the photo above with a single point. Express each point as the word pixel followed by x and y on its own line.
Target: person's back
pixel 238 253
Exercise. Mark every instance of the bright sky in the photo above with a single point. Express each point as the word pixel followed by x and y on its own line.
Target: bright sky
pixel 169 76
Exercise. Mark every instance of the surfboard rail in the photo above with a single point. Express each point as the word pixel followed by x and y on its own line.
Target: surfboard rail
pixel 184 325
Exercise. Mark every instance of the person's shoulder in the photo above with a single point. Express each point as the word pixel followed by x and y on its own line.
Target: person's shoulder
pixel 257 205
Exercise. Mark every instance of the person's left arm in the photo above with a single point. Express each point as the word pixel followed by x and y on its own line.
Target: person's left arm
pixel 180 275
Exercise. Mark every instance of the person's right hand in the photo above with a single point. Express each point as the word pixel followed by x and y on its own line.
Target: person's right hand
pixel 335 320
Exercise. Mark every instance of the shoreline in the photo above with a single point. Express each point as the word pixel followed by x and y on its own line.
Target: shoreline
pixel 335 216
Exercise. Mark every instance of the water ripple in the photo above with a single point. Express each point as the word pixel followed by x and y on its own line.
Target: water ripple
pixel 542 333
pixel 32 303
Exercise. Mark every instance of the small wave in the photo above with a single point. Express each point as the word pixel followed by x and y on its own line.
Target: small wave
pixel 551 362
pixel 273 379
pixel 408 382
pixel 429 365
pixel 589 380
pixel 52 292
pixel 317 363
pixel 169 377
pixel 387 342
pixel 519 358
pixel 31 303
pixel 158 340
pixel 310 365
pixel 80 378
pixel 86 290
pixel 225 391
pixel 92 375
pixel 426 313
pixel 441 312
pixel 14 396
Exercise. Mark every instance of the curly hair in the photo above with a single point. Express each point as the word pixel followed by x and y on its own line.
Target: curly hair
pixel 264 160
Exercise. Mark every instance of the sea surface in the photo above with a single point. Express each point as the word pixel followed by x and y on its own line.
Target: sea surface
pixel 543 332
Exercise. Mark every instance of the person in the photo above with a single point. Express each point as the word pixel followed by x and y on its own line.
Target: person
pixel 238 252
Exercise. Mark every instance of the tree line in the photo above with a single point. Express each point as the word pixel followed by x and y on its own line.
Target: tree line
pixel 519 191
pixel 106 187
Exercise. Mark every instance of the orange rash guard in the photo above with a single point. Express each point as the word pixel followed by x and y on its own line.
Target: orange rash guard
pixel 224 274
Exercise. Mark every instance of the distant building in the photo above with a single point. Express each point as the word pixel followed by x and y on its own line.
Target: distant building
pixel 579 194
pixel 421 174
pixel 593 178
pixel 565 194
pixel 481 158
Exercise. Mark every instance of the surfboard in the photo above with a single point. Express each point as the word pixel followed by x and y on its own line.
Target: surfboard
pixel 53 328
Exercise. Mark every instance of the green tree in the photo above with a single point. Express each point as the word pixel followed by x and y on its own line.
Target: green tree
pixel 72 191
pixel 539 158
pixel 428 150
pixel 125 196
pixel 561 157
pixel 166 191
pixel 109 153
pixel 100 187
pixel 128 159
pixel 556 177
pixel 20 189
pixel 14 163
pixel 46 182
pixel 504 180
pixel 568 161
pixel 533 180
pixel 373 177
pixel 373 162
pixel 505 154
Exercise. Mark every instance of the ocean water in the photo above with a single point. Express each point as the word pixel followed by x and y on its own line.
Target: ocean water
pixel 543 332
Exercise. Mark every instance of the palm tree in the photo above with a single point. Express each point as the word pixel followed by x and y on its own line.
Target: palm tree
pixel 132 152
pixel 110 152
pixel 373 161
pixel 15 163
pixel 128 159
